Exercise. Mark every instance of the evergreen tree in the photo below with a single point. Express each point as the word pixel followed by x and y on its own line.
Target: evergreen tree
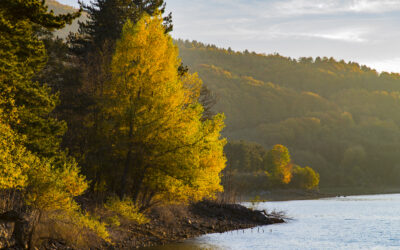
pixel 106 18
pixel 22 56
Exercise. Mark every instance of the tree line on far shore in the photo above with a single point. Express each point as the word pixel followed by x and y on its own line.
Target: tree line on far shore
pixel 251 168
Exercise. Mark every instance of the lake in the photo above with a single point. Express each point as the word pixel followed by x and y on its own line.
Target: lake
pixel 353 222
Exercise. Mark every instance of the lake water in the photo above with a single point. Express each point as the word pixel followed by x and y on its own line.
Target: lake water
pixel 353 222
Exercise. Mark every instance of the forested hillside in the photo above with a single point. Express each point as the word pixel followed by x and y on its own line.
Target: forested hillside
pixel 58 9
pixel 342 119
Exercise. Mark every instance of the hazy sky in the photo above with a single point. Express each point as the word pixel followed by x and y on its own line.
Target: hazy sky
pixel 365 31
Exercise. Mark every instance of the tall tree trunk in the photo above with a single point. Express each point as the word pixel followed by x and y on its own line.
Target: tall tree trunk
pixel 139 176
pixel 124 176
pixel 128 159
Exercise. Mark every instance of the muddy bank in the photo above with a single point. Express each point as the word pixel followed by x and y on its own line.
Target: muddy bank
pixel 175 223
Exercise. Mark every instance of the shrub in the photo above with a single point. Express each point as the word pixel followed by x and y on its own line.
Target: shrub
pixel 87 220
pixel 77 229
pixel 127 209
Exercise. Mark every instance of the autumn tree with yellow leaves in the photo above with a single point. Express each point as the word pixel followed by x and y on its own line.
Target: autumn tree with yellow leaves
pixel 163 149
pixel 278 165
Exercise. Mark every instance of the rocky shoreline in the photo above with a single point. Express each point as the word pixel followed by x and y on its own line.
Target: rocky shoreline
pixel 176 223
pixel 168 224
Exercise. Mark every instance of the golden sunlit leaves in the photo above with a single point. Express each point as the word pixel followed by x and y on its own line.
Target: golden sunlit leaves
pixel 171 154
pixel 277 164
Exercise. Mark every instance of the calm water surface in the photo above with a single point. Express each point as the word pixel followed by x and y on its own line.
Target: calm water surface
pixel 354 222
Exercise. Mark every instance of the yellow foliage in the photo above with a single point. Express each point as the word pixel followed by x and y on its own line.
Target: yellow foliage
pixel 126 208
pixel 86 220
pixel 156 119
pixel 277 164
pixel 44 187
pixel 82 221
pixel 113 221
pixel 14 160
pixel 54 189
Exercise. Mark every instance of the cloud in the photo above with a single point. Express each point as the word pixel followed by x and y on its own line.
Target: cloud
pixel 323 7
pixel 304 7
pixel 374 6
pixel 345 36
pixel 389 65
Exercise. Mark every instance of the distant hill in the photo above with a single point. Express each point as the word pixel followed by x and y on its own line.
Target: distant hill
pixel 59 8
pixel 342 119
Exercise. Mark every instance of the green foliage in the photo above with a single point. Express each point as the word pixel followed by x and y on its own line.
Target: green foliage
pixel 304 178
pixel 22 55
pixel 322 109
pixel 106 19
pixel 244 156
pixel 125 208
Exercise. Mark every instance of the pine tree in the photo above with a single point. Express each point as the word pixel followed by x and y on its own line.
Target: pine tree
pixel 22 56
pixel 106 18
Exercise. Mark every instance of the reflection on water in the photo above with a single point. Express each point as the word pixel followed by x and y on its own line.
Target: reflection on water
pixel 353 222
